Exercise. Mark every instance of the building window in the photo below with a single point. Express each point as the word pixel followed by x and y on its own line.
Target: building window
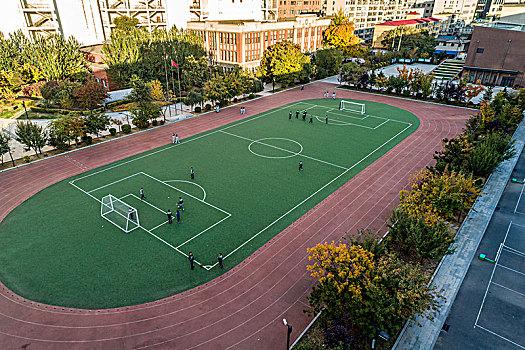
pixel 480 50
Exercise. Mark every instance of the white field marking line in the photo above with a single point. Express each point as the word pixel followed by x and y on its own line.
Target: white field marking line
pixel 187 194
pixel 203 231
pixel 193 183
pixel 500 336
pixel 331 111
pixel 148 203
pixel 284 150
pixel 348 116
pixel 313 194
pixel 488 284
pixel 126 196
pixel 112 183
pixel 346 123
pixel 291 154
pixel 159 225
pixel 509 289
pixel 119 226
pixel 515 224
pixel 168 244
pixel 165 148
pixel 519 198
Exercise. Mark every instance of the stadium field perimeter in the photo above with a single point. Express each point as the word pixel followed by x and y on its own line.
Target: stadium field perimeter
pixel 58 250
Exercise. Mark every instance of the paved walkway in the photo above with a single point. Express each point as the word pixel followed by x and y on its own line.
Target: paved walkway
pixel 453 268
pixel 243 308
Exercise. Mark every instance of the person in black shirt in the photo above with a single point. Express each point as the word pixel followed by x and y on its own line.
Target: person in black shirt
pixel 301 165
pixel 191 258
pixel 220 260
pixel 290 115
pixel 170 216
pixel 192 173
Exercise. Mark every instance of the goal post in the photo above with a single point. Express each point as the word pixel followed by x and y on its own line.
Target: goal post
pixel 119 213
pixel 352 106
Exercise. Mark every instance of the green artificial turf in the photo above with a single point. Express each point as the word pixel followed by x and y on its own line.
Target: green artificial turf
pixel 57 249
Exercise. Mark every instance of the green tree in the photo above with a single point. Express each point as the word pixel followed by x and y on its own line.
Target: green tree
pixel 217 90
pixel 340 34
pixel 141 91
pixel 415 240
pixel 194 97
pixel 488 153
pixel 31 135
pixel 5 147
pixel 282 62
pixel 96 122
pixel 352 72
pixel 10 83
pixel 328 62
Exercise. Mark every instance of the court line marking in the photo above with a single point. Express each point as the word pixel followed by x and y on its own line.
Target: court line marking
pixel 112 183
pixel 510 269
pixel 347 116
pixel 509 289
pixel 284 150
pixel 72 182
pixel 190 182
pixel 166 148
pixel 490 280
pixel 313 194
pixel 519 198
pixel 203 231
pixel 500 336
pixel 259 141
pixel 148 203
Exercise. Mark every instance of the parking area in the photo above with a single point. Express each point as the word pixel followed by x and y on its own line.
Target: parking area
pixel 489 309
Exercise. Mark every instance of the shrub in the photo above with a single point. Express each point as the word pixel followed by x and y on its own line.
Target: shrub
pixel 162 122
pixel 26 159
pixel 112 131
pixel 207 107
pixel 126 128
pixel 251 96
pixel 154 122
pixel 198 109
pixel 88 140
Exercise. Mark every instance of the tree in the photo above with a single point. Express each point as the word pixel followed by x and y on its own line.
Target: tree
pixel 488 153
pixel 155 90
pixel 216 89
pixel 328 62
pixel 414 240
pixel 282 62
pixel 141 91
pixel 10 83
pixel 5 147
pixel 31 135
pixel 340 34
pixel 89 95
pixel 125 23
pixel 365 293
pixel 433 196
pixel 194 97
pixel 352 72
pixel 96 122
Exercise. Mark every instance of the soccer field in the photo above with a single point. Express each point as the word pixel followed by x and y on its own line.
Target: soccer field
pixel 58 249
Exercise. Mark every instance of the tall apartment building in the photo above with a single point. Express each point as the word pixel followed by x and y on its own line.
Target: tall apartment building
pixel 292 8
pixel 462 10
pixel 89 21
pixel 231 10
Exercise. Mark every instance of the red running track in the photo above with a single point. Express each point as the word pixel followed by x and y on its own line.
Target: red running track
pixel 243 308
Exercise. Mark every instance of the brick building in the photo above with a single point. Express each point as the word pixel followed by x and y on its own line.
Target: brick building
pixel 496 55
pixel 242 43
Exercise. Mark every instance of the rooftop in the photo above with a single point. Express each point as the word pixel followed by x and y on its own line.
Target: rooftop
pixel 406 22
pixel 506 26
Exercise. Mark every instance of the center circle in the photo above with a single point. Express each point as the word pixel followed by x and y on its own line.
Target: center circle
pixel 289 154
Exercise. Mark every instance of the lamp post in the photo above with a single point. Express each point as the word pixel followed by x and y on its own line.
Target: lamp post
pixel 25 110
pixel 288 333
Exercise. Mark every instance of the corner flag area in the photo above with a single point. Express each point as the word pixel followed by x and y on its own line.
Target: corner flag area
pixel 59 248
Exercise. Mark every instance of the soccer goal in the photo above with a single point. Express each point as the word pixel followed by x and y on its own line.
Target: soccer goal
pixel 352 106
pixel 119 213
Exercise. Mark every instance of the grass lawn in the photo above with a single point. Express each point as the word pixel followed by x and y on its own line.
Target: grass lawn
pixel 57 249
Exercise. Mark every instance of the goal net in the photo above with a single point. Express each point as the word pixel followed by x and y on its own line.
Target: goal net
pixel 119 213
pixel 352 106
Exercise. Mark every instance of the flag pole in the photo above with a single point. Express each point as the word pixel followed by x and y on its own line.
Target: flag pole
pixel 167 83
pixel 180 91
pixel 173 87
